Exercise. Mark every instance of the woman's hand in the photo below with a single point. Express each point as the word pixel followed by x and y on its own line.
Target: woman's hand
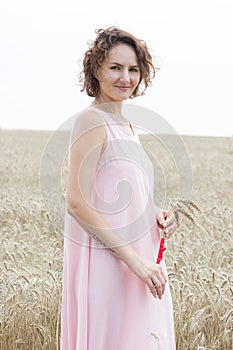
pixel 167 222
pixel 151 273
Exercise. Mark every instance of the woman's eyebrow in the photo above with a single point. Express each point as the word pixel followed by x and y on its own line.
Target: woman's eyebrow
pixel 118 64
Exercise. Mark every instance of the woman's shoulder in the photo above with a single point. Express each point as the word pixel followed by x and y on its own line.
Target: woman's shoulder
pixel 87 119
pixel 90 117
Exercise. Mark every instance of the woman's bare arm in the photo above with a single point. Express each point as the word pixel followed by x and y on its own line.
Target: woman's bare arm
pixel 88 140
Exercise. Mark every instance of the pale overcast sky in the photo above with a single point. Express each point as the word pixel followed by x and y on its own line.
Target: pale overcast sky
pixel 42 41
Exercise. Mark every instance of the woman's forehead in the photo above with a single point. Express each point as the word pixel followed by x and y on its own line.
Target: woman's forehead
pixel 121 53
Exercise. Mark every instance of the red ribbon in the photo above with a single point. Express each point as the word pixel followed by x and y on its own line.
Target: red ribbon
pixel 162 249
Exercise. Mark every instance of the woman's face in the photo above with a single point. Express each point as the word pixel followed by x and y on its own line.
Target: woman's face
pixel 119 74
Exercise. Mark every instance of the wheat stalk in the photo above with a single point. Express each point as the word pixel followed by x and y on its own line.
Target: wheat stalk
pixel 186 207
pixel 31 271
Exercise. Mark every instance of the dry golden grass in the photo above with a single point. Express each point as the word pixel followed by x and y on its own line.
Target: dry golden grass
pixel 199 259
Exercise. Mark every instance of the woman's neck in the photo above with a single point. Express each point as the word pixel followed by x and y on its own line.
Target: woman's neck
pixel 114 108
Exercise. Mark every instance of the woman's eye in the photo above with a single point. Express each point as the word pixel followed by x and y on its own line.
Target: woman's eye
pixel 130 69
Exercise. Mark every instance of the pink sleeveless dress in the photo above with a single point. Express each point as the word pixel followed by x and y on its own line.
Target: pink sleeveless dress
pixel 104 305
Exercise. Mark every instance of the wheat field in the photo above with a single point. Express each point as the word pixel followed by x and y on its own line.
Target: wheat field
pixel 199 258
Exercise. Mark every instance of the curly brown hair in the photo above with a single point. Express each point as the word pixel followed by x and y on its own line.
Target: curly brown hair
pixel 98 51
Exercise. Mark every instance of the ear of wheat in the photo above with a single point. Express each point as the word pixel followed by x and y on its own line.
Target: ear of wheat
pixel 185 207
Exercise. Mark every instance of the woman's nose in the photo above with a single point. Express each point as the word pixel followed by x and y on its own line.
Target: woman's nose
pixel 125 76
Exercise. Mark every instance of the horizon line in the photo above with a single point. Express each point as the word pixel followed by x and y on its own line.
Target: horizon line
pixel 159 133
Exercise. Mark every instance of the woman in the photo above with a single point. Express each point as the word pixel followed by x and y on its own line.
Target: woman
pixel 115 295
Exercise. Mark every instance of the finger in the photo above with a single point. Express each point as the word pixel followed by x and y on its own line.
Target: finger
pixel 173 226
pixel 165 281
pixel 170 229
pixel 161 285
pixel 152 288
pixel 158 288
pixel 170 219
pixel 161 276
pixel 162 217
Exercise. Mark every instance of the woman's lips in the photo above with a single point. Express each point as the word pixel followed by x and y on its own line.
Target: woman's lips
pixel 123 88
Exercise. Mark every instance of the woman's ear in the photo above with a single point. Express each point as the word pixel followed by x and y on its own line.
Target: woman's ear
pixel 97 74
